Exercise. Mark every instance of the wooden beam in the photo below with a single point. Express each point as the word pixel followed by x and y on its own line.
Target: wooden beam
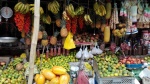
pixel 34 40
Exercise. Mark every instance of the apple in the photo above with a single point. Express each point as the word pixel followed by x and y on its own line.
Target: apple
pixel 128 62
pixel 132 62
pixel 124 61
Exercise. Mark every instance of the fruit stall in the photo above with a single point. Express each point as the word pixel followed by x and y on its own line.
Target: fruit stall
pixel 74 42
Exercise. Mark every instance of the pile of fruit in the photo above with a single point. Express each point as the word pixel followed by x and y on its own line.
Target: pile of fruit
pixel 46 63
pixel 55 75
pixel 147 58
pixel 14 73
pixel 109 66
pixel 85 37
pixel 131 60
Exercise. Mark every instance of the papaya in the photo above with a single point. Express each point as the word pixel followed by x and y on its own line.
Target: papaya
pixel 59 70
pixel 48 74
pixel 64 79
pixel 40 79
pixel 107 34
pixel 36 77
pixel 54 81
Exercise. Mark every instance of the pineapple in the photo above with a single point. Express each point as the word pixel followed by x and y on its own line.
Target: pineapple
pixel 53 39
pixel 63 32
pixel 44 41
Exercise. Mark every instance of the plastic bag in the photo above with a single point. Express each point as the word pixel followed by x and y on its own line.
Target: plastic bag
pixel 86 53
pixel 79 53
pixel 94 50
pixel 69 43
pixel 90 54
pixel 99 51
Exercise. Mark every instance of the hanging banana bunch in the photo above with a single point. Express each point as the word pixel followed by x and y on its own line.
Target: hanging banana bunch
pixel 70 10
pixel 32 9
pixel 99 9
pixel 22 8
pixel 53 7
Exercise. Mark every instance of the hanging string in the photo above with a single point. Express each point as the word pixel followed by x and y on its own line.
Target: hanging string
pixel 53 28
pixel 88 7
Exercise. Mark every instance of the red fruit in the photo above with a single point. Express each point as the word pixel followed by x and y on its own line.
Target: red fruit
pixel 128 62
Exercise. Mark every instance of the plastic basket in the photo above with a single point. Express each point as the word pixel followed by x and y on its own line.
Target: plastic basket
pixel 146 80
pixel 134 66
pixel 115 80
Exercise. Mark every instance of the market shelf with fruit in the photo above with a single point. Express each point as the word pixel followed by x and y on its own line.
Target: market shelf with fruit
pixel 78 41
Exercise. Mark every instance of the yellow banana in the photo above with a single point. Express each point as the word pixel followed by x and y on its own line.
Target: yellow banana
pixel 89 19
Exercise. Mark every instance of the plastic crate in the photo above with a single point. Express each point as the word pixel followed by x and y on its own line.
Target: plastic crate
pixel 146 80
pixel 115 80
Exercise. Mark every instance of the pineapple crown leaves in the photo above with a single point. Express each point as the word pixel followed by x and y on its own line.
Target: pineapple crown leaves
pixel 42 28
pixel 45 36
pixel 56 34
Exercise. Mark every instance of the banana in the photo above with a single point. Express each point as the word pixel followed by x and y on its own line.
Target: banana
pixel 22 8
pixel 53 7
pixel 95 6
pixel 31 5
pixel 16 6
pixel 27 8
pixel 41 10
pixel 32 9
pixel 19 7
pixel 85 17
pixel 89 19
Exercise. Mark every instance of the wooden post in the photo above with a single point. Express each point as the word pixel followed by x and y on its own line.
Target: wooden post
pixel 34 40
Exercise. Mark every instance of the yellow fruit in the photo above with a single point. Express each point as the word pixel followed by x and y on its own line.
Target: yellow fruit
pixel 59 70
pixel 54 81
pixel 107 34
pixel 40 79
pixel 36 77
pixel 108 10
pixel 48 74
pixel 102 27
pixel 64 79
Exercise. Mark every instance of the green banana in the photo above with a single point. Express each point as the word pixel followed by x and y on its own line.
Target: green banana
pixel 16 6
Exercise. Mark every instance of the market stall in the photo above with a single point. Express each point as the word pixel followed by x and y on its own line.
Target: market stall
pixel 74 42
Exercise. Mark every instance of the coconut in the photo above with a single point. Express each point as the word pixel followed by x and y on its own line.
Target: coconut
pixel 19 66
